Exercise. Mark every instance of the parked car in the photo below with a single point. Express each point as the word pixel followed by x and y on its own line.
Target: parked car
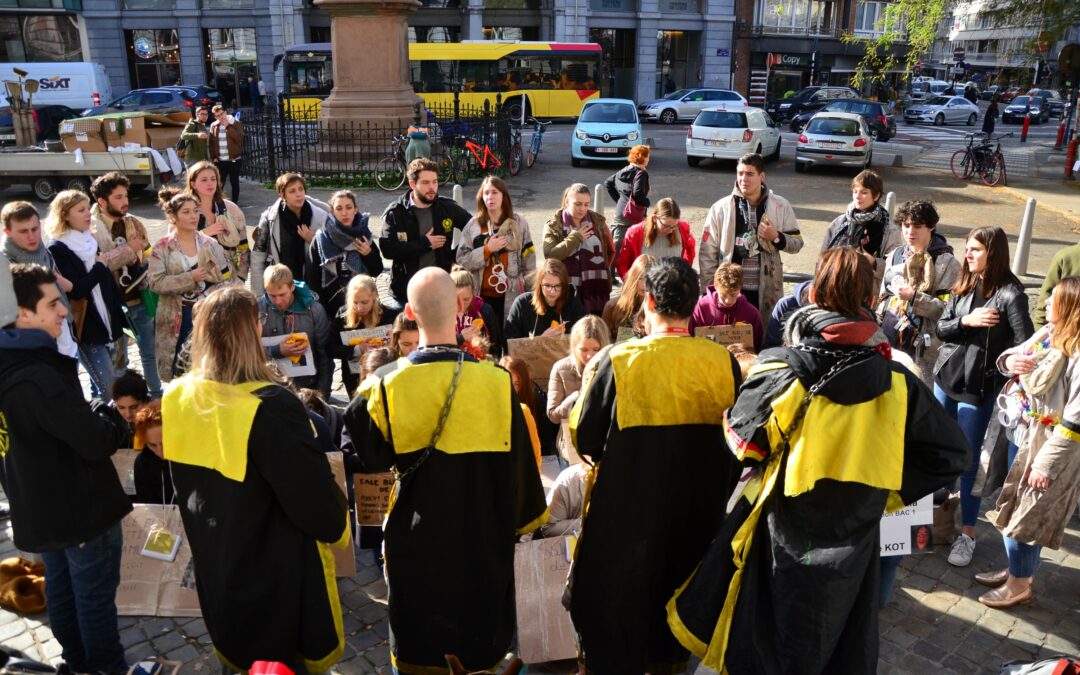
pixel 159 100
pixel 835 139
pixel 1010 93
pixel 807 98
pixel 941 110
pixel 926 89
pixel 878 118
pixel 1055 105
pixel 606 129
pixel 47 120
pixel 731 132
pixel 1015 111
pixel 991 91
pixel 685 104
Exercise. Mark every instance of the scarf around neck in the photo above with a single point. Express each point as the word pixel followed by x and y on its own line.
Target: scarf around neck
pixel 17 254
pixel 838 330
pixel 85 247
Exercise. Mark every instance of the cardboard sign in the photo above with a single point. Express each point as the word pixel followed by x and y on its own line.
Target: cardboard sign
pixel 540 353
pixel 366 338
pixel 124 462
pixel 544 630
pixel 550 468
pixel 909 530
pixel 149 586
pixel 344 558
pixel 740 334
pixel 373 492
pixel 625 333
pixel 305 366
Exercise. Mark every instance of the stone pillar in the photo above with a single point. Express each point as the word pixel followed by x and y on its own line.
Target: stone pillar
pixel 371 62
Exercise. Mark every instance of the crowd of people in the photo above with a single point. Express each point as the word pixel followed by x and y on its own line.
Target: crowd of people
pixel 744 477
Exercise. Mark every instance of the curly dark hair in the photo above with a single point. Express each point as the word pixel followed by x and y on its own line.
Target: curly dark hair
pixel 673 285
pixel 104 185
pixel 918 211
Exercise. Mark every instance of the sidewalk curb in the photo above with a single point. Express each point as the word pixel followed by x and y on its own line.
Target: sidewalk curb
pixel 1023 196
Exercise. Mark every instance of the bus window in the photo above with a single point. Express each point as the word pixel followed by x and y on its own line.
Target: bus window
pixel 432 77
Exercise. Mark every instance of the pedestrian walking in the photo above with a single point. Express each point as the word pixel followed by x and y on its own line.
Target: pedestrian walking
pixel 226 143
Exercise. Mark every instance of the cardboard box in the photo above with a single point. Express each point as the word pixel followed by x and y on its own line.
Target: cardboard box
pixel 134 128
pixel 82 134
pixel 163 138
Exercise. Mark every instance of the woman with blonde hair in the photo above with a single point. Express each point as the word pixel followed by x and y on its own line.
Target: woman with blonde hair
pixel 551 309
pixel 1041 490
pixel 184 265
pixel 625 310
pixel 218 217
pixel 497 248
pixel 588 337
pixel 361 311
pixel 661 235
pixel 580 238
pixel 224 425
pixel 96 302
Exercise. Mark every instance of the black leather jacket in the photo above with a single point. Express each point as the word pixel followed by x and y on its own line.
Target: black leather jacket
pixel 965 367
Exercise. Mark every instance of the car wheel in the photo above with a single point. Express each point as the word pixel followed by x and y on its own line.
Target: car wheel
pixel 869 161
pixel 939 121
pixel 971 119
pixel 775 156
pixel 800 167
pixel 45 187
pixel 80 183
pixel 574 161
pixel 882 137
pixel 668 116
pixel 693 161
pixel 758 151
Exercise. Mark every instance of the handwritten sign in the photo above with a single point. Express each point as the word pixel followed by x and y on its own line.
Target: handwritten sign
pixel 365 338
pixel 740 334
pixel 544 630
pixel 540 353
pixel 152 587
pixel 124 462
pixel 344 558
pixel 305 366
pixel 908 530
pixel 549 472
pixel 373 492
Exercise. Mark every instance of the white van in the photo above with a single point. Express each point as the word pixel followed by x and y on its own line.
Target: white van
pixel 73 84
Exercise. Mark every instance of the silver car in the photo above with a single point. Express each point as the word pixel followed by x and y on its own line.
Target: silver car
pixel 835 139
pixel 941 110
pixel 685 104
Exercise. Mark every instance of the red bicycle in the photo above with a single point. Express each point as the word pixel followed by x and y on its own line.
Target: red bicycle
pixel 473 159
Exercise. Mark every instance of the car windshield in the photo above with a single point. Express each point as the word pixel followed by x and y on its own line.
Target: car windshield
pixel 835 106
pixel 1023 100
pixel 612 113
pixel 676 94
pixel 721 120
pixel 831 126
pixel 938 100
pixel 865 108
pixel 805 91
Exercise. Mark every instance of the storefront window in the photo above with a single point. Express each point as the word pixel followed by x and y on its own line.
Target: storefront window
pixel 528 33
pixel 617 68
pixel 227 4
pixel 41 37
pixel 153 57
pixel 70 5
pixel 613 5
pixel 231 63
pixel 677 60
pixel 150 4
pixel 434 34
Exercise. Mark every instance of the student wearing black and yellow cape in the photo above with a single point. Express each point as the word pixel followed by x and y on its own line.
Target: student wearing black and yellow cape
pixel 259 503
pixel 790 584
pixel 455 432
pixel 651 417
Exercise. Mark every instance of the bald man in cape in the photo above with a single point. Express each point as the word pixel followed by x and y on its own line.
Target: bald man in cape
pixel 464 492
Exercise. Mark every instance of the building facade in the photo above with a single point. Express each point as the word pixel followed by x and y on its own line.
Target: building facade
pixel 41 30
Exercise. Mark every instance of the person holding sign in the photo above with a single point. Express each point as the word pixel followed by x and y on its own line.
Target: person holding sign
pixel 588 337
pixel 837 434
pixel 467 485
pixel 580 238
pixel 724 305
pixel 550 310
pixel 362 311
pixel 652 418
pixel 287 307
pixel 249 472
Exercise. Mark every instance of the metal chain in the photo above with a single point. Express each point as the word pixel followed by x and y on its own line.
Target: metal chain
pixel 400 475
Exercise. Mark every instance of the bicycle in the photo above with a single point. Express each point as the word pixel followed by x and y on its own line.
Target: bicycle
pixel 993 169
pixel 537 141
pixel 515 157
pixel 390 171
pixel 980 159
pixel 470 156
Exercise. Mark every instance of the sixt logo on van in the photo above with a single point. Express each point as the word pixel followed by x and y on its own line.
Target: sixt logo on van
pixel 54 83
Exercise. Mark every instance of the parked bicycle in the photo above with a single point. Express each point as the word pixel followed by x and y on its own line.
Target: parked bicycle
pixel 984 159
pixel 390 171
pixel 537 141
pixel 515 158
pixel 468 158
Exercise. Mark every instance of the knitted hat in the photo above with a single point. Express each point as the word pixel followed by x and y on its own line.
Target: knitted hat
pixel 9 308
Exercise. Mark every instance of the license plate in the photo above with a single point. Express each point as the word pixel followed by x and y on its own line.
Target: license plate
pixel 719 141
pixel 608 151
pixel 7 137
pixel 830 144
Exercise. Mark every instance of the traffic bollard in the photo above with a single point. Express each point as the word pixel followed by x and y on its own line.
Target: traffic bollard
pixel 890 204
pixel 459 194
pixel 1060 134
pixel 1027 125
pixel 1023 244
pixel 598 198
pixel 1070 157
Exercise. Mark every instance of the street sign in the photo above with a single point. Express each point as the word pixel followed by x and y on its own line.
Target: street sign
pixel 959 53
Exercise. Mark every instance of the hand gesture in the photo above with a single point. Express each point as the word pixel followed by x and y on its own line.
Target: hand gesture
pixel 1018 364
pixel 468 333
pixel 557 329
pixel 199 274
pixel 437 241
pixel 203 135
pixel 293 348
pixel 586 230
pixel 138 243
pixel 983 317
pixel 1038 481
pixel 766 230
pixel 305 232
pixel 216 228
pixel 496 243
pixel 906 292
pixel 363 245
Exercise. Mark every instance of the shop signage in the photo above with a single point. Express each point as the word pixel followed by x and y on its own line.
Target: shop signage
pixel 144 47
pixel 775 60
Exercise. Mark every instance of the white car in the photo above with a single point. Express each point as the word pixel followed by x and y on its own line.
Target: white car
pixel 730 133
pixel 835 139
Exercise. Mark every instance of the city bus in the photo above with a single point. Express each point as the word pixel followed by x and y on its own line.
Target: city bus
pixel 550 79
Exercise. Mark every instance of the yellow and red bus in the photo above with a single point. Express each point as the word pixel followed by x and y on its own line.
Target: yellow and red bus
pixel 551 79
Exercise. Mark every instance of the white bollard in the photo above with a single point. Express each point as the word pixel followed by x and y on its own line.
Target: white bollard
pixel 598 198
pixel 1023 244
pixel 459 194
pixel 890 204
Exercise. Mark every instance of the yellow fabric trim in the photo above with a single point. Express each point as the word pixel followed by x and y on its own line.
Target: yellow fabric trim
pixel 894 502
pixel 644 369
pixel 678 628
pixel 480 416
pixel 206 423
pixel 371 389
pixel 346 537
pixel 534 436
pixel 221 657
pixel 540 520
pixel 226 274
pixel 326 556
pixel 766 367
pixel 830 443
pixel 1067 433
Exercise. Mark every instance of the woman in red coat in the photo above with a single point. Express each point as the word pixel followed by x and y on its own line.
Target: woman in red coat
pixel 661 235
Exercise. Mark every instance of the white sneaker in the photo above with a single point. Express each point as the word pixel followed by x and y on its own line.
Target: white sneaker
pixel 962 550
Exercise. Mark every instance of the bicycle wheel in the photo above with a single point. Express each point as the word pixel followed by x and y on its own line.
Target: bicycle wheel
pixel 534 151
pixel 497 165
pixel 515 160
pixel 962 164
pixel 446 169
pixel 461 169
pixel 993 169
pixel 389 174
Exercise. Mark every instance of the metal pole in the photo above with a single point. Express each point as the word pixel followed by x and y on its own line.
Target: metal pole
pixel 1023 244
pixel 598 198
pixel 890 204
pixel 459 195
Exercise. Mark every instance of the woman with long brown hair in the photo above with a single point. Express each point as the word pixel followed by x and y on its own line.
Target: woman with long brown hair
pixel 218 217
pixel 580 238
pixel 224 425
pixel 986 314
pixel 625 310
pixel 662 235
pixel 1041 490
pixel 551 308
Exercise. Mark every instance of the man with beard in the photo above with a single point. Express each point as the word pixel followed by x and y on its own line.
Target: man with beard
pixel 125 250
pixel 750 227
pixel 419 227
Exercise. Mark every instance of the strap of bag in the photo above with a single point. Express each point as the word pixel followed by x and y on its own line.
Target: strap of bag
pixel 400 475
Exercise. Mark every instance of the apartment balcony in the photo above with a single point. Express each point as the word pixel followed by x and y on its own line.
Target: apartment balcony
pixel 810 31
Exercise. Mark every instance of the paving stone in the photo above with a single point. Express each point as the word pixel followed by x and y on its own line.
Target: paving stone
pixel 928 650
pixel 900 637
pixel 371 613
pixel 184 654
pixel 156 627
pixel 382 629
pixel 920 582
pixel 356 599
pixel 364 640
pixel 1063 645
pixel 11 629
pixel 351 624
pixel 194 629
pixel 129 637
pixel 379 656
pixel 143 650
pixel 126 621
pixel 168 641
pixel 24 642
pixel 51 649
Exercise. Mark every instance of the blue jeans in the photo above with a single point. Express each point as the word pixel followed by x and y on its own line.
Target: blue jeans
pixel 80 590
pixel 98 362
pixel 185 330
pixel 973 420
pixel 143 324
pixel 1023 558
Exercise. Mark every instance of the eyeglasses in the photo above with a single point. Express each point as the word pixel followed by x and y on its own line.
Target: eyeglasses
pixel 551 287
